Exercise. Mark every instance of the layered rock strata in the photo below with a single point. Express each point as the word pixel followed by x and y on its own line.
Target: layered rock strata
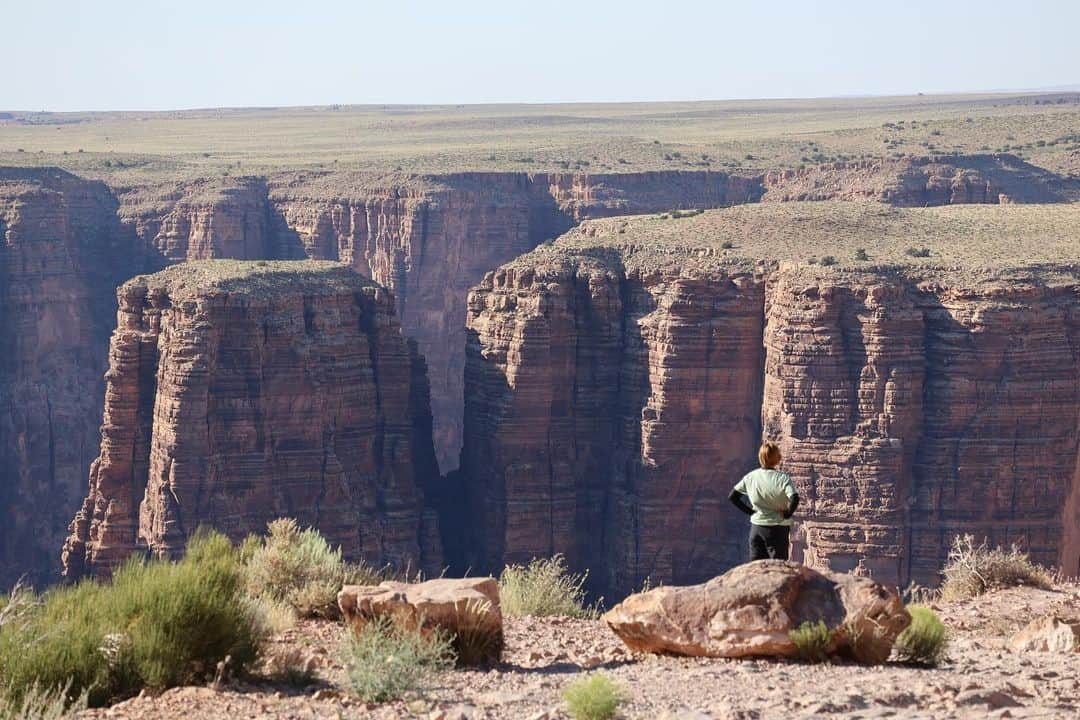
pixel 618 382
pixel 431 238
pixel 200 219
pixel 921 181
pixel 61 254
pixel 243 392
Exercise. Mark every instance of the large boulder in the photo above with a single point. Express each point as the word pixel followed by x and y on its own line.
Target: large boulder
pixel 465 609
pixel 751 610
pixel 1048 634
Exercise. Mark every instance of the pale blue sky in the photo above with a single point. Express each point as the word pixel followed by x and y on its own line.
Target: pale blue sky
pixel 149 54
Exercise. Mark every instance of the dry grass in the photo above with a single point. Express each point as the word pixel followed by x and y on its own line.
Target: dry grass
pixel 729 135
pixel 544 587
pixel 968 240
pixel 973 569
pixel 259 279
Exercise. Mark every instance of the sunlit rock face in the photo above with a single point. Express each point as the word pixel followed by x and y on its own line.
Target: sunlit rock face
pixel 243 392
pixel 619 382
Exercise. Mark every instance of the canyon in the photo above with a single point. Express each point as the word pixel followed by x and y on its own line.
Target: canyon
pixel 599 402
pixel 621 379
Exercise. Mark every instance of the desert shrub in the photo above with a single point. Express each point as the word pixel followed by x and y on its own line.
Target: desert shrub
pixel 727 245
pixel 812 641
pixel 386 660
pixel 923 641
pixel 543 587
pixel 860 254
pixel 270 617
pixel 828 260
pixel 297 567
pixel 595 697
pixel 917 252
pixel 916 594
pixel 476 642
pixel 39 704
pixel 361 573
pixel 291 666
pixel 974 569
pixel 158 624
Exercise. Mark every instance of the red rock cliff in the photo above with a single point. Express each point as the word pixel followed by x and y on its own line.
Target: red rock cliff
pixel 618 382
pixel 200 219
pixel 242 392
pixel 61 253
pixel 431 238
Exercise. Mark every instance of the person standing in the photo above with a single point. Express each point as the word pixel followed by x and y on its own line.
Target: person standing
pixel 770 499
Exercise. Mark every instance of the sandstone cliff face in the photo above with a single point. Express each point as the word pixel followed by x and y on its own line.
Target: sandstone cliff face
pixel 922 181
pixel 430 239
pixel 200 219
pixel 60 254
pixel 238 393
pixel 913 403
pixel 595 399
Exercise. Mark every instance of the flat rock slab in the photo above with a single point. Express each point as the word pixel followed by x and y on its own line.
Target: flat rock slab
pixel 1048 634
pixel 467 609
pixel 750 611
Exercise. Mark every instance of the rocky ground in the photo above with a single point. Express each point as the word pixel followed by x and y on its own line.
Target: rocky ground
pixel 981 678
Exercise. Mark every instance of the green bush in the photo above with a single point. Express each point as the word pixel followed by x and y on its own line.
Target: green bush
pixel 595 697
pixel 923 641
pixel 860 254
pixel 270 617
pixel 158 624
pixel 974 569
pixel 295 566
pixel 919 252
pixel 385 660
pixel 812 641
pixel 828 260
pixel 543 587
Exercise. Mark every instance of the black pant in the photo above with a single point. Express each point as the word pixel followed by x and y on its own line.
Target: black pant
pixel 769 542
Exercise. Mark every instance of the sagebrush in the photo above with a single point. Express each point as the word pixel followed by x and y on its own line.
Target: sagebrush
pixel 299 568
pixel 973 569
pixel 923 641
pixel 157 624
pixel 39 704
pixel 594 697
pixel 385 660
pixel 544 587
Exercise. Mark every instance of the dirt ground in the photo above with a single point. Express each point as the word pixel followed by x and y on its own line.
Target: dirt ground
pixel 981 678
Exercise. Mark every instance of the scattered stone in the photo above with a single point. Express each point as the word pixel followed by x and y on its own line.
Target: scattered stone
pixel 994 699
pixel 1048 634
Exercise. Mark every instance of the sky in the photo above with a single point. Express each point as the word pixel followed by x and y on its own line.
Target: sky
pixel 65 55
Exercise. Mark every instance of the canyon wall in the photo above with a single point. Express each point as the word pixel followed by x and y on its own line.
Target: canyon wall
pixel 431 238
pixel 61 254
pixel 617 386
pixel 600 408
pixel 912 181
pixel 69 242
pixel 199 219
pixel 242 392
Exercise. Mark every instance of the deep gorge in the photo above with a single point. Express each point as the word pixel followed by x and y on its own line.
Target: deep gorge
pixel 628 434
